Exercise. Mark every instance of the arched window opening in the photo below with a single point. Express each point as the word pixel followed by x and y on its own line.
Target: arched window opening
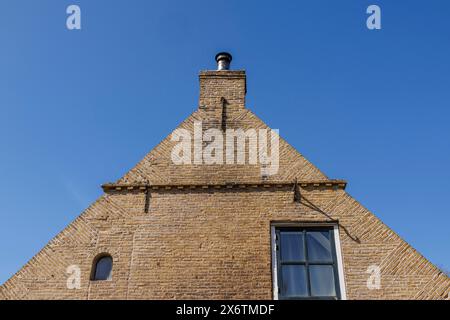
pixel 102 269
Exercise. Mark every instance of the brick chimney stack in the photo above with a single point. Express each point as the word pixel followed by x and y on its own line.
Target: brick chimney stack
pixel 223 83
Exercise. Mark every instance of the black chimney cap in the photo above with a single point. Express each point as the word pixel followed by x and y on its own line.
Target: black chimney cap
pixel 224 55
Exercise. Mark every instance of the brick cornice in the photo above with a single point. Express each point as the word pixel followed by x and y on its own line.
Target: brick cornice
pixel 334 183
pixel 230 74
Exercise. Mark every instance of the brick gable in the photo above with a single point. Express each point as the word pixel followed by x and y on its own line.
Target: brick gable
pixel 203 231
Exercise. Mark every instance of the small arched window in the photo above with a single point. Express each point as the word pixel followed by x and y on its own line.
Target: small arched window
pixel 102 268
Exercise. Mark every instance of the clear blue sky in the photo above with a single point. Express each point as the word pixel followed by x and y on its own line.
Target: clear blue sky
pixel 80 108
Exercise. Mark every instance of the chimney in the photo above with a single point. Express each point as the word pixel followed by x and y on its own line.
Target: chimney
pixel 222 85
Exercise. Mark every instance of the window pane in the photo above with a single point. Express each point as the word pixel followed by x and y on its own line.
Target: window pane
pixel 103 269
pixel 294 281
pixel 319 246
pixel 292 246
pixel 322 281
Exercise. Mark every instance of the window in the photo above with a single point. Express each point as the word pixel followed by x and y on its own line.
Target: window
pixel 102 269
pixel 306 263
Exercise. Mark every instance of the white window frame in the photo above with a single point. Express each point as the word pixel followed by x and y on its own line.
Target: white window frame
pixel 337 241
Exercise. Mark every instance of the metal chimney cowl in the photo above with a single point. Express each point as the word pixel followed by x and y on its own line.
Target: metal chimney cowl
pixel 223 60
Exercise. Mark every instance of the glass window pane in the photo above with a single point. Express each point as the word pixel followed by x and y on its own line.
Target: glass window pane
pixel 103 269
pixel 322 281
pixel 319 246
pixel 293 281
pixel 292 246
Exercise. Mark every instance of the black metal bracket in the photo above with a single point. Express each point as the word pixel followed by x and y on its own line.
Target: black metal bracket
pixel 147 200
pixel 224 113
pixel 296 190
